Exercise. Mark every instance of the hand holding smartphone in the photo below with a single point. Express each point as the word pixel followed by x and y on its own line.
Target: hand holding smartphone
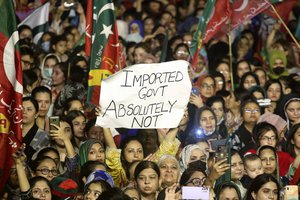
pixel 54 120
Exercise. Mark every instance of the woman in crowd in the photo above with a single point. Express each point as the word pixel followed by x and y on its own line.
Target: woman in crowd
pixel 248 80
pixel 205 125
pixel 206 86
pixel 228 190
pixel 189 154
pixel 240 68
pixel 269 161
pixel 77 120
pixel 47 67
pixel 274 92
pixel 243 137
pixel 169 170
pixel 266 134
pixel 289 109
pixel 30 81
pixel 33 137
pixel 264 186
pixel 147 176
pixel 237 171
pixel 91 149
pixel 217 104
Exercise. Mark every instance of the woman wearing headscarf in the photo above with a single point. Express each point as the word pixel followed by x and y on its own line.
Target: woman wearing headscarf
pixel 91 149
pixel 189 154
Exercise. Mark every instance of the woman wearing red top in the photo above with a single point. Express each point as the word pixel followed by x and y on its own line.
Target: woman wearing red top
pixel 266 134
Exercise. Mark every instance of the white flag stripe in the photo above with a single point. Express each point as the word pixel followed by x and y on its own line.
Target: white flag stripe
pixel 38 17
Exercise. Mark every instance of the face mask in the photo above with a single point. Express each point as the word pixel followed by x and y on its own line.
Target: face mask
pixel 46 46
pixel 208 133
pixel 48 72
pixel 278 70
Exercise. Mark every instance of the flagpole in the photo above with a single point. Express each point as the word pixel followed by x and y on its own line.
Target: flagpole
pixel 230 56
pixel 285 26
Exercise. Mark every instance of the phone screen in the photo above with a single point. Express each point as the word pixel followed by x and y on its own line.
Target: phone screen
pixel 54 120
pixel 195 193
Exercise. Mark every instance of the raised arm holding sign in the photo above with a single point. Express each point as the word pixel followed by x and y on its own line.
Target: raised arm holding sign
pixel 146 96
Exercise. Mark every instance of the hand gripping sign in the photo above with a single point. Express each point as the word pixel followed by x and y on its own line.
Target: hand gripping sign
pixel 145 96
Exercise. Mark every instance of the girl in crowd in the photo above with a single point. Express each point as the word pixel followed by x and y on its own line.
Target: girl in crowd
pixel 77 120
pixel 147 176
pixel 72 103
pixel 30 81
pixel 39 189
pixel 289 109
pixel 293 144
pixel 91 149
pixel 93 131
pixel 217 104
pixel 243 137
pixel 181 52
pixel 233 116
pixel 240 68
pixel 59 78
pixel 262 76
pixel 47 66
pixel 33 137
pixel 274 92
pixel 205 125
pixel 206 86
pixel 44 98
pixel 224 68
pixel 248 80
pixel 257 92
pixel 220 81
pixel 62 138
pixel 97 182
pixel 139 51
pixel 44 166
pixel 264 186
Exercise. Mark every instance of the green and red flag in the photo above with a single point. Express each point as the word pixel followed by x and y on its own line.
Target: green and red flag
pixel 11 89
pixel 244 10
pixel 219 17
pixel 283 8
pixel 105 51
pixel 216 13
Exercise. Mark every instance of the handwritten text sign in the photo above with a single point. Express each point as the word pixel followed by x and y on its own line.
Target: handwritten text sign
pixel 145 96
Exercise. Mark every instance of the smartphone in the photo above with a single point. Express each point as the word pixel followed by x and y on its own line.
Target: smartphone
pixel 54 120
pixel 195 193
pixel 195 91
pixel 289 192
pixel 221 153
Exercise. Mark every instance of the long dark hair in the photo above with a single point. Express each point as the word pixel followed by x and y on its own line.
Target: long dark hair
pixel 145 164
pixel 258 182
pixel 289 145
pixel 124 143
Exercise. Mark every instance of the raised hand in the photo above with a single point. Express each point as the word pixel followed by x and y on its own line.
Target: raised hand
pixel 196 100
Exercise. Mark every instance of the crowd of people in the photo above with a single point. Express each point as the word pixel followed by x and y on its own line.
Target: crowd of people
pixel 239 137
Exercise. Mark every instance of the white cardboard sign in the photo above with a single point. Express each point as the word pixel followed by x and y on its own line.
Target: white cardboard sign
pixel 145 96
